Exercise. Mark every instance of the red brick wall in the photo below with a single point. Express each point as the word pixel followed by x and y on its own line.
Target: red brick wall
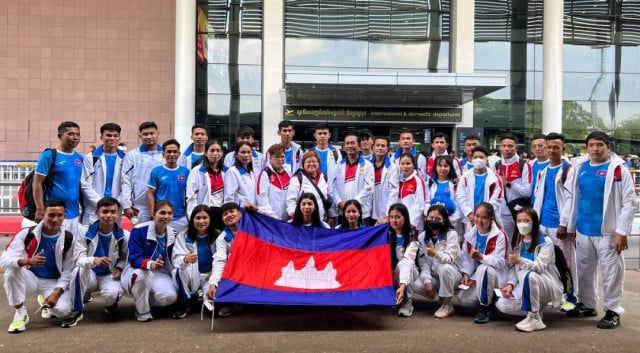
pixel 89 61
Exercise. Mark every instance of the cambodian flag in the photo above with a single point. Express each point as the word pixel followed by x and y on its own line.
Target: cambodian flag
pixel 273 262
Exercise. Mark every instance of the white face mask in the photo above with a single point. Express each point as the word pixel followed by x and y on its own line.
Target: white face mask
pixel 479 163
pixel 524 228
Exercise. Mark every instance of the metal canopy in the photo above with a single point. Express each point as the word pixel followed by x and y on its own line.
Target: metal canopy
pixel 387 89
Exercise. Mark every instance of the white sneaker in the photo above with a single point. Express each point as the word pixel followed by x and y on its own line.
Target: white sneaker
pixel 445 310
pixel 406 308
pixel 530 324
pixel 20 321
pixel 45 313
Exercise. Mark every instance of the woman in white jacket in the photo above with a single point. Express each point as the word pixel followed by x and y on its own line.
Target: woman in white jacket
pixel 442 189
pixel 534 279
pixel 192 258
pixel 205 184
pixel 411 191
pixel 310 179
pixel 240 181
pixel 430 265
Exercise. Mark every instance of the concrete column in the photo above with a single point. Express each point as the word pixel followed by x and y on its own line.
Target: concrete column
pixel 273 70
pixel 185 70
pixel 552 39
pixel 461 50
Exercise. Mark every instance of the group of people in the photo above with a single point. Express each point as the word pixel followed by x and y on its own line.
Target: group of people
pixel 510 236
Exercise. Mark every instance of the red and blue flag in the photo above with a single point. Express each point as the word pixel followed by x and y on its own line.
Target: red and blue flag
pixel 273 262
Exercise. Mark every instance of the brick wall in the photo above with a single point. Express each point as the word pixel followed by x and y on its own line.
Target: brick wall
pixel 89 61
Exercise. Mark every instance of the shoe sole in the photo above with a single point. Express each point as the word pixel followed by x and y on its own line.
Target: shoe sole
pixel 72 324
pixel 442 316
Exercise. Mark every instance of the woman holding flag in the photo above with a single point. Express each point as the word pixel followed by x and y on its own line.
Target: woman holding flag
pixel 400 236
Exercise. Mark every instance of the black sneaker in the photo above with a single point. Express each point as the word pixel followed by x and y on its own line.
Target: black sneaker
pixel 72 320
pixel 111 309
pixel 483 315
pixel 610 320
pixel 181 311
pixel 581 311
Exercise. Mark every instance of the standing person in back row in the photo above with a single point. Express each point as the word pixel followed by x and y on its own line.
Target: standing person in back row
pixel 599 214
pixel 440 144
pixel 470 142
pixel 292 151
pixel 245 134
pixel 66 173
pixel 539 150
pixel 136 168
pixel 405 143
pixel 192 156
pixel 515 174
pixel 101 172
pixel 328 153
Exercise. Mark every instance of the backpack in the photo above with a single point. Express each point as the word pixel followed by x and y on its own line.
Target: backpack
pixel 563 269
pixel 26 201
pixel 68 240
pixel 517 204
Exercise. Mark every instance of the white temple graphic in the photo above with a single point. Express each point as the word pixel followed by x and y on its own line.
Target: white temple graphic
pixel 308 277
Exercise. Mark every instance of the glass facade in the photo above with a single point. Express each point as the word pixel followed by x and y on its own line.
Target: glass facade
pixel 600 80
pixel 229 83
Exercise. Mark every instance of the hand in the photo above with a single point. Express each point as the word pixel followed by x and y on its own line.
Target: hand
pixel 191 257
pixel 158 264
pixel 332 222
pixel 129 213
pixel 431 251
pixel 116 273
pixel 431 293
pixel 400 293
pixel 383 220
pixel 52 299
pixel 470 216
pixel 39 215
pixel 465 279
pixel 507 289
pixel 476 254
pixel 620 243
pixel 211 293
pixel 340 205
pixel 561 233
pixel 514 258
pixel 37 260
pixel 250 207
pixel 102 261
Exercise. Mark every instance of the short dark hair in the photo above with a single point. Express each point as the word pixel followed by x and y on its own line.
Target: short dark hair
pixel 147 125
pixel 365 134
pixel 107 201
pixel 554 136
pixel 285 123
pixel 54 203
pixel 351 133
pixel 228 207
pixel 407 131
pixel 66 125
pixel 161 204
pixel 245 131
pixel 321 126
pixel 598 135
pixel 441 135
pixel 480 149
pixel 110 127
pixel 382 138
pixel 199 126
pixel 539 136
pixel 170 142
pixel 509 137
pixel 471 137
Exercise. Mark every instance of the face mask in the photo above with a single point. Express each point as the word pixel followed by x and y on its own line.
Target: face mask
pixel 524 228
pixel 434 226
pixel 479 163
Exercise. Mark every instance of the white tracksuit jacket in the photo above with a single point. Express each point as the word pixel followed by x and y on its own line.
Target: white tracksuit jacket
pixel 271 193
pixel 361 188
pixel 199 190
pixel 94 179
pixel 466 189
pixel 413 193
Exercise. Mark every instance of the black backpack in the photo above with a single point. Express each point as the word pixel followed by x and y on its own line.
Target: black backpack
pixel 25 191
pixel 68 240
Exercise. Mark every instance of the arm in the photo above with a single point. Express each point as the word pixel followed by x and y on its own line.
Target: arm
pixel 136 248
pixel 262 195
pixel 450 253
pixel 126 194
pixel 545 256
pixel 180 250
pixel 464 203
pixel 405 265
pixel 497 258
pixel 292 195
pixel 626 190
pixel 86 181
pixel 123 253
pixel 15 254
pixel 151 199
pixel 81 250
pixel 219 260
pixel 192 190
pixel 230 185
pixel 521 187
